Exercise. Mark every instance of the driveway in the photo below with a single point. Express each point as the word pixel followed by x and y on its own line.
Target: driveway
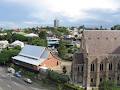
pixel 8 82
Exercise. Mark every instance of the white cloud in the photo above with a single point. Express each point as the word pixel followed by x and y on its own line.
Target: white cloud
pixel 8 24
pixel 71 9
pixel 76 9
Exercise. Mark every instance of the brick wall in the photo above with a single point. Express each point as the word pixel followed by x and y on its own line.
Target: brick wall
pixel 52 61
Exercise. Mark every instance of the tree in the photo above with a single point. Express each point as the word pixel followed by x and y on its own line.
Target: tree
pixel 62 50
pixel 63 30
pixel 9 37
pixel 7 54
pixel 60 31
pixel 43 34
pixel 115 27
pixel 60 87
pixel 2 37
pixel 56 33
pixel 66 50
pixel 19 37
pixel 39 42
pixel 27 30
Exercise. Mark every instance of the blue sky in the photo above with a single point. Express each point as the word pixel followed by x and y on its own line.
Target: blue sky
pixel 24 13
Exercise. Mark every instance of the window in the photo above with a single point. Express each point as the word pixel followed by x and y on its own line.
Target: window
pixel 82 68
pixel 110 66
pixel 92 67
pixel 78 68
pixel 100 79
pixel 118 78
pixel 101 67
pixel 91 80
pixel 109 78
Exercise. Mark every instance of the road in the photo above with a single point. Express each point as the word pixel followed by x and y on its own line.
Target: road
pixel 14 83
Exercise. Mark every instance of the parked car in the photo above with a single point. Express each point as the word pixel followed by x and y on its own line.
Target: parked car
pixel 28 80
pixel 11 70
pixel 17 74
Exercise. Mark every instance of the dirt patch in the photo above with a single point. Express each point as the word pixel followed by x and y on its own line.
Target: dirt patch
pixel 67 64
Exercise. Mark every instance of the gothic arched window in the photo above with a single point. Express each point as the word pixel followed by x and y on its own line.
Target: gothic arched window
pixel 82 68
pixel 110 66
pixel 101 67
pixel 78 68
pixel 92 67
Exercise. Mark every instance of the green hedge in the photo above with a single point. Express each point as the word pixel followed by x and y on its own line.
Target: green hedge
pixel 62 81
pixel 59 78
pixel 71 87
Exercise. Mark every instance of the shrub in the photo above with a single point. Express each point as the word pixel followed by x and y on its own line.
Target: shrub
pixel 108 85
pixel 57 77
pixel 71 87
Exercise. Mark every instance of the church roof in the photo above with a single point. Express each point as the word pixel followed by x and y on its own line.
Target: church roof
pixel 102 41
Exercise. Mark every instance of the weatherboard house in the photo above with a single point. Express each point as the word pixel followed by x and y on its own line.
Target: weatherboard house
pixel 35 58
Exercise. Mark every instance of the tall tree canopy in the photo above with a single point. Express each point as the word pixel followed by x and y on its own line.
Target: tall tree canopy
pixel 7 54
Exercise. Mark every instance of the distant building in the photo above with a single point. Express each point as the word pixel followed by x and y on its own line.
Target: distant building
pixel 1 29
pixel 3 34
pixel 31 35
pixel 56 23
pixel 35 58
pixel 17 43
pixel 3 44
pixel 98 58
pixel 53 42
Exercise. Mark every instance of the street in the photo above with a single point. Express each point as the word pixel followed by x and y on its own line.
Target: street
pixel 8 82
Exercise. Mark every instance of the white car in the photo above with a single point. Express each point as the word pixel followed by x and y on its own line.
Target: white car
pixel 28 80
pixel 11 70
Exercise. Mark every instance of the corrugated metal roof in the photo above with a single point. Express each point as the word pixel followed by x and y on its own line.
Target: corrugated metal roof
pixel 32 51
pixel 45 54
pixel 32 54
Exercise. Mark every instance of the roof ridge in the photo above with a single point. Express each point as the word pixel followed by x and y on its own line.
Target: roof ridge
pixel 42 52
